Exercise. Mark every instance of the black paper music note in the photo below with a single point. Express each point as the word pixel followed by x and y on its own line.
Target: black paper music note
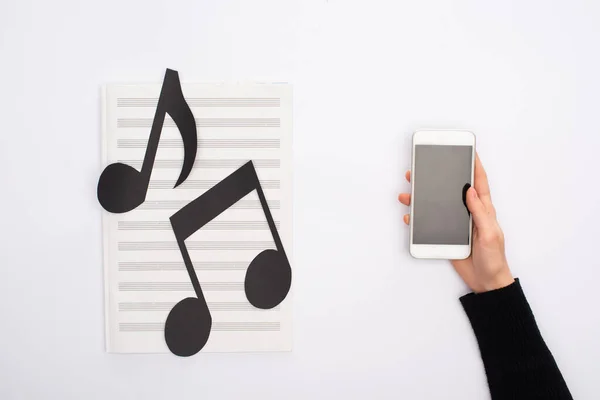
pixel 268 278
pixel 121 188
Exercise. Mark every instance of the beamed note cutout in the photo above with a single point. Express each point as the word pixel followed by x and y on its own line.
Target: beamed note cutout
pixel 121 188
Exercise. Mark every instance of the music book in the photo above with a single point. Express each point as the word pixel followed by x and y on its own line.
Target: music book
pixel 241 128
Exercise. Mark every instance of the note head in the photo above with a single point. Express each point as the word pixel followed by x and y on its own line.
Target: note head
pixel 268 279
pixel 187 327
pixel 121 188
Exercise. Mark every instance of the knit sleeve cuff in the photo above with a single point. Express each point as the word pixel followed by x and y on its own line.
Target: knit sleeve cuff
pixel 503 322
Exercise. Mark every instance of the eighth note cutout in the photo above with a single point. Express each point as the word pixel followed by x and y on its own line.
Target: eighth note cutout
pixel 121 187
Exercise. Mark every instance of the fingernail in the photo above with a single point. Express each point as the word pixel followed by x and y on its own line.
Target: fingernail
pixel 475 193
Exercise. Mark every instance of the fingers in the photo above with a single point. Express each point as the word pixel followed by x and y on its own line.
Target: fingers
pixel 481 218
pixel 406 219
pixel 481 182
pixel 404 198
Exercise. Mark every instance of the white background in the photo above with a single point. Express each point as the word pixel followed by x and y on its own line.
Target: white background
pixel 369 321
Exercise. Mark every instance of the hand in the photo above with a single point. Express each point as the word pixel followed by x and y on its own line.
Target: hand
pixel 486 268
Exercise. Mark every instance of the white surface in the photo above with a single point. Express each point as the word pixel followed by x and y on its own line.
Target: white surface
pixel 135 318
pixel 439 138
pixel 369 321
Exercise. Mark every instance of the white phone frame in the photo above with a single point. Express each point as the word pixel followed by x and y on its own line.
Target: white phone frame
pixel 440 138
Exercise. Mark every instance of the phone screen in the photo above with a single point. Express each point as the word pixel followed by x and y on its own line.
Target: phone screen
pixel 439 178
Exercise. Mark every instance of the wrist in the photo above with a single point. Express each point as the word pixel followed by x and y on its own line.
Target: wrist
pixel 498 281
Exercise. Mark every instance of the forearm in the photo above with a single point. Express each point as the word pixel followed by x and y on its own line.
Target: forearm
pixel 517 362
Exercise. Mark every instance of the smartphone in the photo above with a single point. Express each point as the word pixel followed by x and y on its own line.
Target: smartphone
pixel 443 164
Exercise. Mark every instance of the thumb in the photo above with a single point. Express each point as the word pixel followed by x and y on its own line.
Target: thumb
pixel 477 209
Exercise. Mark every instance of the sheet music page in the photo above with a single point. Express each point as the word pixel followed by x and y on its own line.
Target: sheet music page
pixel 145 274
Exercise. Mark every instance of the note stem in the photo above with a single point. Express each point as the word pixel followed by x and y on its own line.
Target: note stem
pixel 157 125
pixel 190 269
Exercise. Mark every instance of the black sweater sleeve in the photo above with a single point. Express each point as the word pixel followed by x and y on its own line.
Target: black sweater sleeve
pixel 517 362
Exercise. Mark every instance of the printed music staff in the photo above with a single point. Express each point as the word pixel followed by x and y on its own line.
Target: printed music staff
pixel 268 277
pixel 121 188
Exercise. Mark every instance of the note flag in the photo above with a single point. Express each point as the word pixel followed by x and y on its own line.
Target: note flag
pixel 268 277
pixel 121 188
